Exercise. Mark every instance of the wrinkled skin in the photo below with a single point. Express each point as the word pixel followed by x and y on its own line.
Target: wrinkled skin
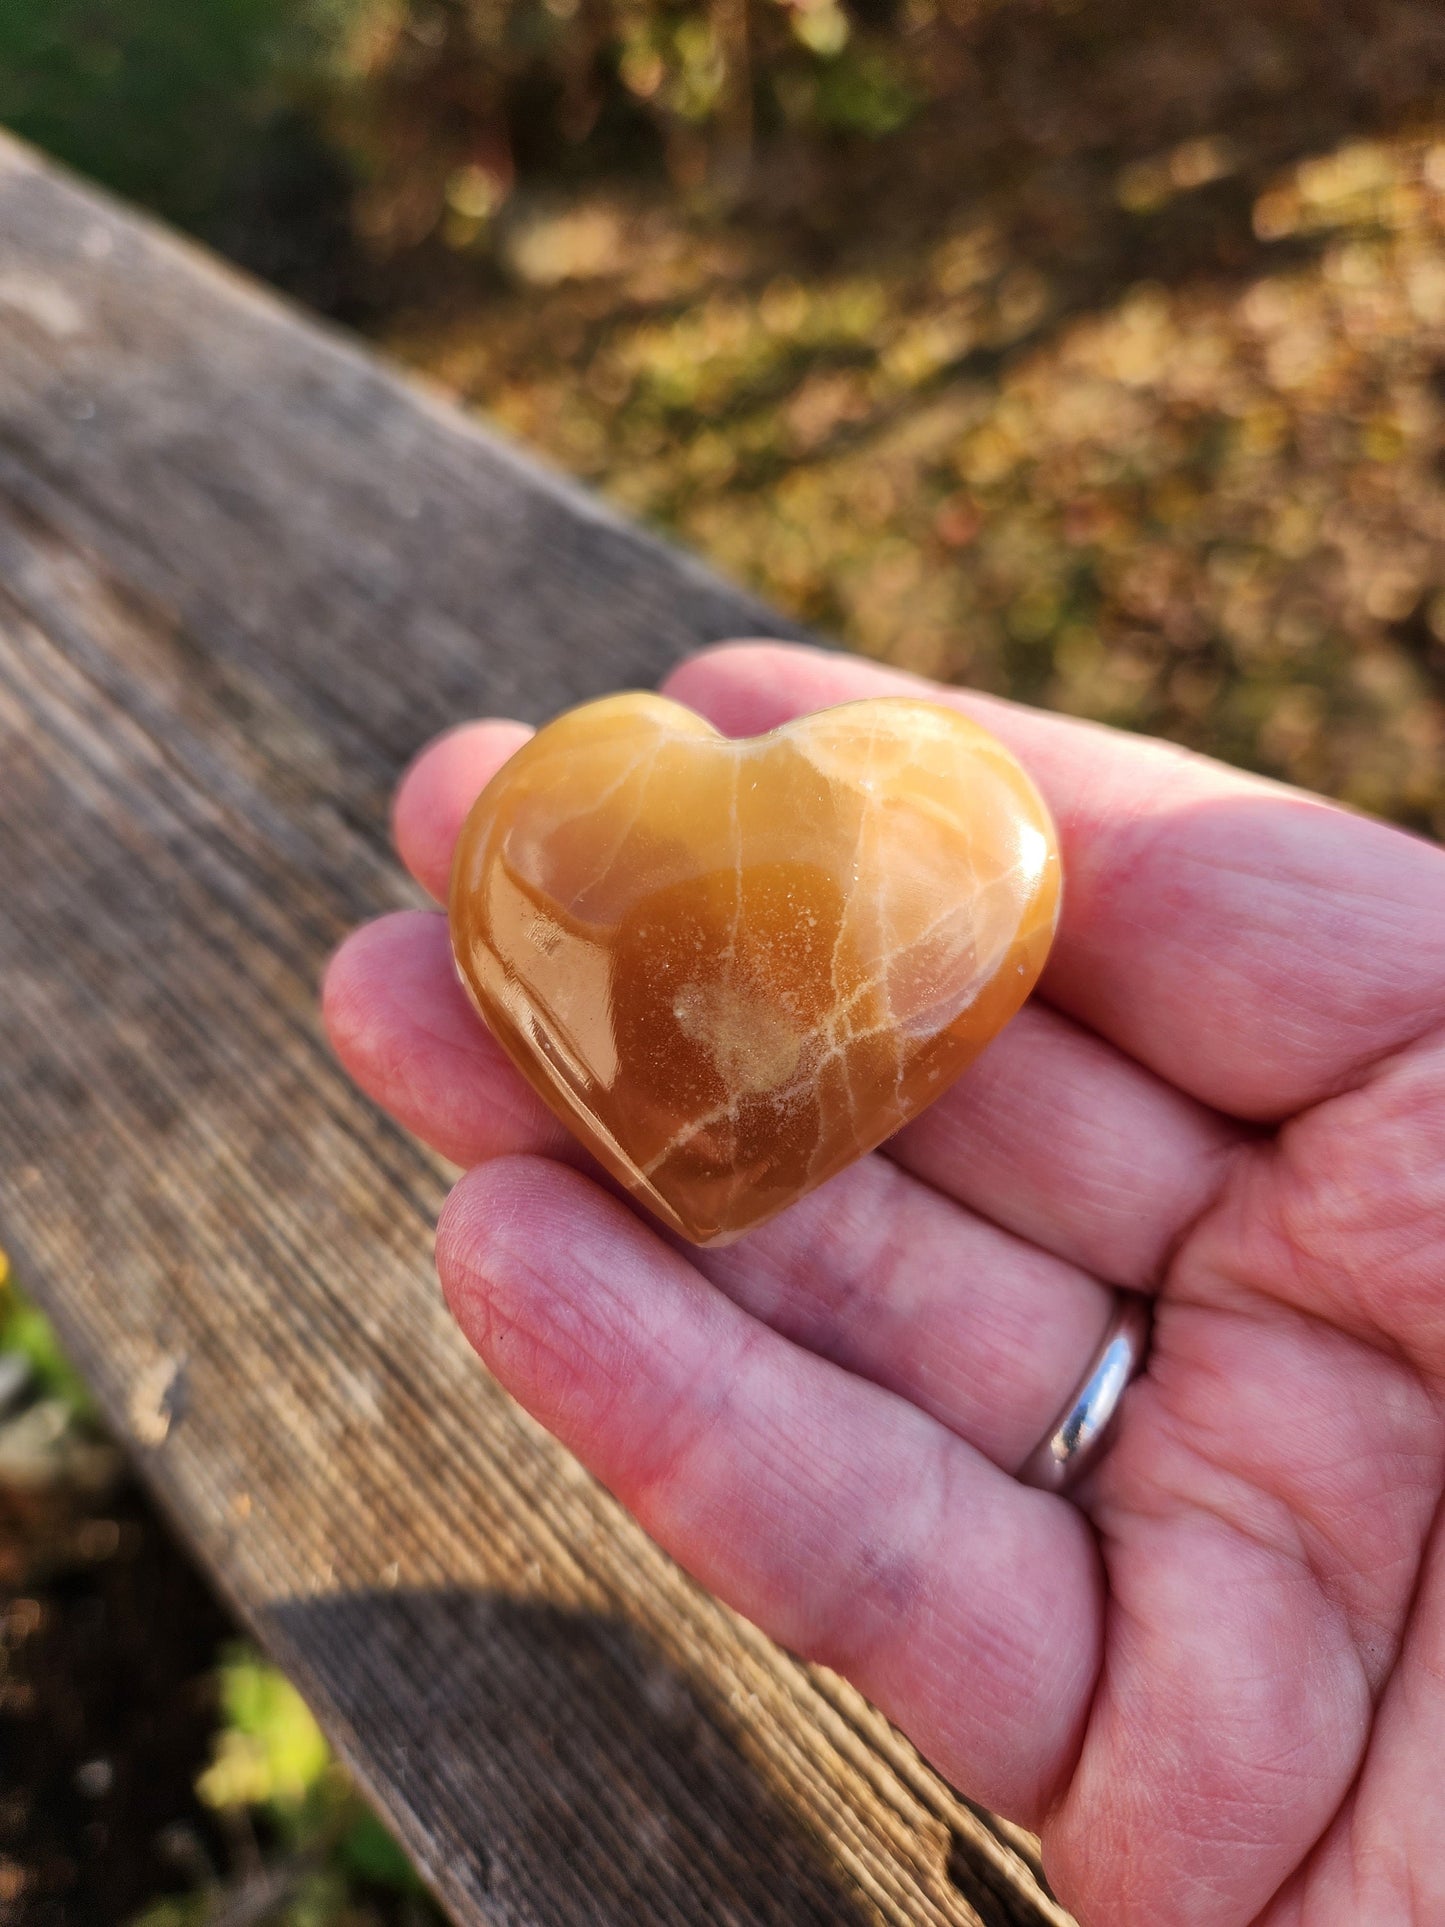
pixel 1215 1679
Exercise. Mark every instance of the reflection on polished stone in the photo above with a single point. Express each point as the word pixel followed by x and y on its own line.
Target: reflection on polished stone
pixel 732 967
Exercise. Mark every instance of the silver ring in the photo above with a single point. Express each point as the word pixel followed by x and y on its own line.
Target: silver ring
pixel 1080 1432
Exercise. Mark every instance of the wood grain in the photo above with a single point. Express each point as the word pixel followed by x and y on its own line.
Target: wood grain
pixel 244 573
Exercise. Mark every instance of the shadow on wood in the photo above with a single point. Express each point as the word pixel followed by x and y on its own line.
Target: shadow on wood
pixel 629 1775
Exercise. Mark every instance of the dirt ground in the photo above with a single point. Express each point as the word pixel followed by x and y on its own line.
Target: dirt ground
pixel 155 1771
pixel 108 1641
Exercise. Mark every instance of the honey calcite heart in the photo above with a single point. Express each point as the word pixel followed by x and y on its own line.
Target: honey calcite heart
pixel 732 967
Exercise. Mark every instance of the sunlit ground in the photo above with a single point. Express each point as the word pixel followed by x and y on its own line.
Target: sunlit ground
pixel 1212 510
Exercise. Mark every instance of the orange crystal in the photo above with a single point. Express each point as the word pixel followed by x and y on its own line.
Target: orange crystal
pixel 732 967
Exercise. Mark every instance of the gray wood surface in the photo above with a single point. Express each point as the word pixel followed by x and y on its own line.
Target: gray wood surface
pixel 244 572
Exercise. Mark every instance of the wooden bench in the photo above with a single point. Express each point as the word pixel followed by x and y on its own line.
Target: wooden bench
pixel 244 572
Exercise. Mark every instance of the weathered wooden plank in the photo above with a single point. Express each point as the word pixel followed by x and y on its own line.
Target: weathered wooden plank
pixel 244 572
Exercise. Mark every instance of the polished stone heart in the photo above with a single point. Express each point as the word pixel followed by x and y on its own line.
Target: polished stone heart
pixel 732 967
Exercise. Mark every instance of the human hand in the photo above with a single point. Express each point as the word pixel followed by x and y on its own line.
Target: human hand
pixel 1214 1677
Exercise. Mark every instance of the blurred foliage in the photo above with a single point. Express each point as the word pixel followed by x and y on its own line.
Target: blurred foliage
pixel 453 100
pixel 270 1752
pixel 214 110
pixel 278 1834
pixel 209 111
pixel 155 97
pixel 26 1335
pixel 1120 387
pixel 1091 350
pixel 318 1857
pixel 1212 512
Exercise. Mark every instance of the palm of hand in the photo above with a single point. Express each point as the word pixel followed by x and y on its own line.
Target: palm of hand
pixel 1276 1617
pixel 1214 1682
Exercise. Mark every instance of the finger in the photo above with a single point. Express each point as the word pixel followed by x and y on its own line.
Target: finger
pixel 1254 945
pixel 876 1271
pixel 436 792
pixel 891 1280
pixel 1064 1140
pixel 401 1024
pixel 845 1522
